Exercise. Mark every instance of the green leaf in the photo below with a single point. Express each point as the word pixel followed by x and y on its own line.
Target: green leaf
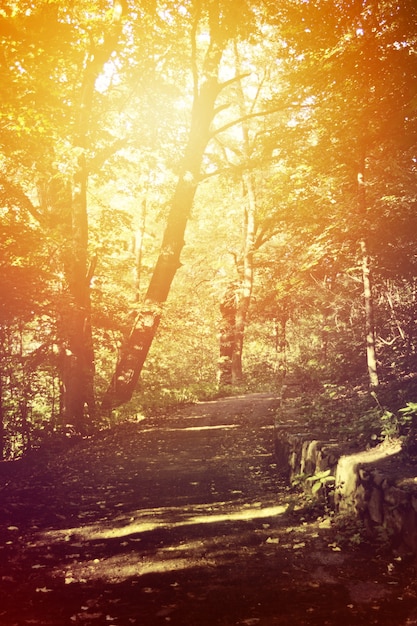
pixel 316 487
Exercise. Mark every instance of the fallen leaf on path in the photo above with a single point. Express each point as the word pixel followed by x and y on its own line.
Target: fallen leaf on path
pixel 164 612
pixel 334 547
pixel 82 617
pixel 69 578
pixel 327 523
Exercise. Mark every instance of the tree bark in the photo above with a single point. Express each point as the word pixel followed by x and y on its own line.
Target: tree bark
pixel 246 278
pixel 228 307
pixel 248 244
pixel 371 356
pixel 138 239
pixel 136 346
pixel 77 353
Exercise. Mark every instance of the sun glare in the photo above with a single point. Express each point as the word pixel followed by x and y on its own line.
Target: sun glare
pixel 107 77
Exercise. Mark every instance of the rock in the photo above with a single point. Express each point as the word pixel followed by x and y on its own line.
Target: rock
pixel 395 497
pixel 367 482
pixel 375 508
pixel 409 530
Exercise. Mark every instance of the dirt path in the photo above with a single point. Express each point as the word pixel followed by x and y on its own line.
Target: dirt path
pixel 182 520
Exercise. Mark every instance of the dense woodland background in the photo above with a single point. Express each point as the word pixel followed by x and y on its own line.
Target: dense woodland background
pixel 202 197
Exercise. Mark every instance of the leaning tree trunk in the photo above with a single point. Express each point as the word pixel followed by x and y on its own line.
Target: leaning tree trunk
pixel 371 356
pixel 136 346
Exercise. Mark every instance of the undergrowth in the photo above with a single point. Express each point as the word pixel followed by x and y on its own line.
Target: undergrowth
pixel 363 416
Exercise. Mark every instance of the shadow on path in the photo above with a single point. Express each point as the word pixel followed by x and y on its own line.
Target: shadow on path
pixel 183 520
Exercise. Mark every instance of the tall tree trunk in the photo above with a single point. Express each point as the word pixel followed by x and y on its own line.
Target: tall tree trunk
pixel 138 238
pixel 228 307
pixel 136 346
pixel 280 330
pixel 246 267
pixel 78 368
pixel 371 356
pixel 246 278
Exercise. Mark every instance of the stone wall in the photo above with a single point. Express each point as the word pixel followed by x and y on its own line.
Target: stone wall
pixel 379 485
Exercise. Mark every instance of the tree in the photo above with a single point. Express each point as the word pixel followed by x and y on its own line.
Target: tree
pixel 58 96
pixel 78 354
pixel 244 125
pixel 354 106
pixel 26 288
pixel 222 26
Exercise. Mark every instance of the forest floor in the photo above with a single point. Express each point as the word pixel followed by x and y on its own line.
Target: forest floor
pixel 183 520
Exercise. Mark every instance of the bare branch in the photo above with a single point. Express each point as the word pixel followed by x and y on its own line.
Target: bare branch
pixel 221 107
pixel 240 120
pixel 225 147
pixel 194 50
pixel 258 91
pixel 101 157
pixel 235 79
pixel 14 194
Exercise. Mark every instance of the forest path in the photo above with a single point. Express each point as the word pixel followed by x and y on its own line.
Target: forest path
pixel 182 520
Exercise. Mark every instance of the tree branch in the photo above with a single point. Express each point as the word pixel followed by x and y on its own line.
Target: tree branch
pixel 222 129
pixel 222 107
pixel 229 82
pixel 101 157
pixel 194 50
pixel 13 193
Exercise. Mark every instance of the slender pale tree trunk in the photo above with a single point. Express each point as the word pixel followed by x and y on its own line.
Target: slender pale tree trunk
pixel 228 307
pixel 246 278
pixel 371 356
pixel 280 330
pixel 246 272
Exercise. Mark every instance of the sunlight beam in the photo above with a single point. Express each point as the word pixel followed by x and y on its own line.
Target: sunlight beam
pixel 146 522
